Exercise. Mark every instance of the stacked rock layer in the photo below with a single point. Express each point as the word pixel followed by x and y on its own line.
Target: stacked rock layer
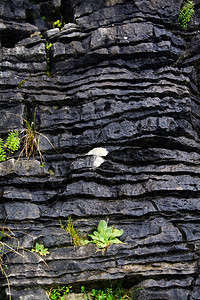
pixel 121 109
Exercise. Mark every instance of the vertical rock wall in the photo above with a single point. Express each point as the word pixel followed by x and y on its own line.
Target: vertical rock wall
pixel 125 79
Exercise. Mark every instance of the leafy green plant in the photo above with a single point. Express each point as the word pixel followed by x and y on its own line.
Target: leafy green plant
pixel 105 236
pixel 106 294
pixel 59 292
pixel 2 151
pixel 48 47
pixel 10 244
pixel 11 145
pixel 57 24
pixel 83 290
pixel 186 13
pixel 12 142
pixel 39 248
pixel 75 235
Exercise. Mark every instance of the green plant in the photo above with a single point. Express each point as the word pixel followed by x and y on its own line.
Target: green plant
pixel 57 24
pixel 59 292
pixel 10 244
pixel 11 145
pixel 106 294
pixel 83 290
pixel 48 47
pixel 31 139
pixel 186 13
pixel 12 142
pixel 75 235
pixel 21 83
pixel 104 236
pixel 2 151
pixel 39 248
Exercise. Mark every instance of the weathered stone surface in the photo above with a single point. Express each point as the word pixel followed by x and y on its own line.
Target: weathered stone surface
pixel 28 294
pixel 125 79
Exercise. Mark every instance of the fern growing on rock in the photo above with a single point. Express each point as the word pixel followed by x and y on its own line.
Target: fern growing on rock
pixel 186 13
pixel 2 151
pixel 11 145
pixel 12 142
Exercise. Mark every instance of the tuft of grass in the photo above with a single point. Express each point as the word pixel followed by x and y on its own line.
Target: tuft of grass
pixel 31 139
pixel 75 235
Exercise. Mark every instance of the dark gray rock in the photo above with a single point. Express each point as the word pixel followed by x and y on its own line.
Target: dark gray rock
pixel 21 211
pixel 28 294
pixel 121 109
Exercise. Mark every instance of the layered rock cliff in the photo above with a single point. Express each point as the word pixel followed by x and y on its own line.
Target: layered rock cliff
pixel 124 83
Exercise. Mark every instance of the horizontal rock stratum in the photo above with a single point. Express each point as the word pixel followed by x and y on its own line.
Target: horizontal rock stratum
pixel 121 109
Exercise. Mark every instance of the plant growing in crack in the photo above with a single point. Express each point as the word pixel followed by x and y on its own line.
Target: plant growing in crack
pixel 30 140
pixel 105 236
pixel 9 243
pixel 39 248
pixel 48 47
pixel 75 235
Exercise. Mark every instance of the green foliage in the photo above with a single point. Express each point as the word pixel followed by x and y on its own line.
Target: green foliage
pixel 57 24
pixel 48 46
pixel 2 151
pixel 75 235
pixel 12 142
pixel 11 145
pixel 106 294
pixel 59 292
pixel 39 248
pixel 186 13
pixel 21 83
pixel 104 236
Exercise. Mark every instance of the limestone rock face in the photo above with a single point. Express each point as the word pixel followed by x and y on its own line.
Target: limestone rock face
pixel 121 109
